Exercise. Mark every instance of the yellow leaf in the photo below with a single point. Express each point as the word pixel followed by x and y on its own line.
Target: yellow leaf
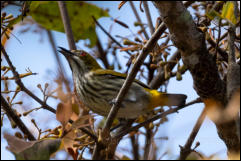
pixel 228 12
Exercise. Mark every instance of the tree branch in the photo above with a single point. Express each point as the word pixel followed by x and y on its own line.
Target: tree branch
pixel 159 79
pixel 233 74
pixel 131 76
pixel 21 85
pixel 186 150
pixel 200 63
pixel 102 53
pixel 147 148
pixel 220 51
pixel 23 88
pixel 113 39
pixel 16 119
pixel 162 115
pixel 148 16
pixel 139 19
pixel 105 133
pixel 67 26
pixel 135 146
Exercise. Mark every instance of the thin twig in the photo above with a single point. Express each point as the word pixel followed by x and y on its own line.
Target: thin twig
pixel 84 130
pixel 67 26
pixel 102 53
pixel 159 79
pixel 21 85
pixel 9 111
pixel 219 34
pixel 139 20
pixel 164 114
pixel 148 16
pixel 152 30
pixel 221 52
pixel 121 4
pixel 186 150
pixel 113 39
pixel 135 146
pixel 149 135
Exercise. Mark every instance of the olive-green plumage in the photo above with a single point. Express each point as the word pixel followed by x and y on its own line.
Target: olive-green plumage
pixel 97 88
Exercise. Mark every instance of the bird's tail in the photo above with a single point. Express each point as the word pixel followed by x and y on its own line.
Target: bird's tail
pixel 172 99
pixel 165 99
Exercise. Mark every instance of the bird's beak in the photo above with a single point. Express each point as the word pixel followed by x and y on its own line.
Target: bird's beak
pixel 65 52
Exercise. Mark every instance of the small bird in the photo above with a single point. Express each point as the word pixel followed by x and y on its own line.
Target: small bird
pixel 97 88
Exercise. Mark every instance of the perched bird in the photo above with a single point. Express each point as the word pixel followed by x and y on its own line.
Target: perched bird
pixel 97 88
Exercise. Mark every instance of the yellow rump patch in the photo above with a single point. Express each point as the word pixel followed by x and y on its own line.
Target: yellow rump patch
pixel 156 98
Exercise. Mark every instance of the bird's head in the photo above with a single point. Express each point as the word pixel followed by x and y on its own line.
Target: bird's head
pixel 79 60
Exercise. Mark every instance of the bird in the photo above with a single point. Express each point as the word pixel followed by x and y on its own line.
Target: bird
pixel 97 88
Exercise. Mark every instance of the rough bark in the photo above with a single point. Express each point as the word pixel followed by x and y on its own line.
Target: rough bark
pixel 191 43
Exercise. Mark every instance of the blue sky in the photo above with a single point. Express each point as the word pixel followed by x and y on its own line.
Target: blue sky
pixel 38 56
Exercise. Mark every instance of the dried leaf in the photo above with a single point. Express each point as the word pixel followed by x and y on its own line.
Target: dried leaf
pixel 68 140
pixel 32 150
pixel 64 112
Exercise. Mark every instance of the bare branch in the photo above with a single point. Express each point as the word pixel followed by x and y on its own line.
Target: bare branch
pixel 23 88
pixel 139 19
pixel 162 115
pixel 102 53
pixel 67 26
pixel 220 51
pixel 186 150
pixel 105 133
pixel 148 16
pixel 21 85
pixel 159 79
pixel 135 146
pixel 147 148
pixel 16 119
pixel 102 28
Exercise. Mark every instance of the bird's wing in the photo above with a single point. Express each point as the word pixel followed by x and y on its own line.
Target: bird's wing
pixel 119 75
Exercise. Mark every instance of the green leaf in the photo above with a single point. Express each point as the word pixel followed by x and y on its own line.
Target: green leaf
pixel 32 150
pixel 228 12
pixel 47 14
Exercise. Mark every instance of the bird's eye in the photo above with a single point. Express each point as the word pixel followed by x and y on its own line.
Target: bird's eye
pixel 82 53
